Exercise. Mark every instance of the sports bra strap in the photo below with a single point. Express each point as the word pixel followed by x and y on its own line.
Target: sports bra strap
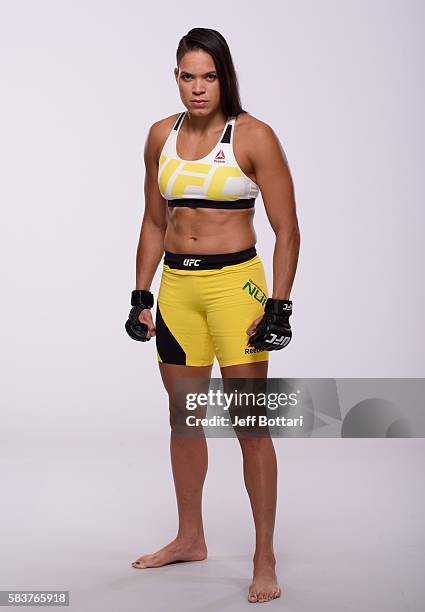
pixel 227 137
pixel 178 122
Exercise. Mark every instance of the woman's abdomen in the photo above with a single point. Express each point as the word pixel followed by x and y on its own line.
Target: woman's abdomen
pixel 192 230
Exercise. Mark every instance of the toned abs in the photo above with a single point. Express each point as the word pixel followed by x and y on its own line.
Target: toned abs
pixel 206 230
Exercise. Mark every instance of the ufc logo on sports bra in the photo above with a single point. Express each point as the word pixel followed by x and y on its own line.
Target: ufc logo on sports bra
pixel 179 179
pixel 191 262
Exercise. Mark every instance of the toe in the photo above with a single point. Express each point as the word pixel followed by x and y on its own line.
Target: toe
pixel 252 597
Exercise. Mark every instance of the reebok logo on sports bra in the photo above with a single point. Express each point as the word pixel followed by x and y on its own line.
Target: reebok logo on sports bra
pixel 214 181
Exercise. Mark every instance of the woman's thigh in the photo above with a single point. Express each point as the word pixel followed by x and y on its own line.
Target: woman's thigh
pixel 171 373
pixel 246 370
pixel 234 299
pixel 182 335
pixel 183 384
pixel 252 434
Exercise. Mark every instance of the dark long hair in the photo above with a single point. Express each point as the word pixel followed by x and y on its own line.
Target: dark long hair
pixel 215 44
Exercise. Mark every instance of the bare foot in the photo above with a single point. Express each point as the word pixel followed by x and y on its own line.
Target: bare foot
pixel 177 550
pixel 264 586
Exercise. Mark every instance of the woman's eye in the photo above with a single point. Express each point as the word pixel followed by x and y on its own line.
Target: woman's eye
pixel 187 77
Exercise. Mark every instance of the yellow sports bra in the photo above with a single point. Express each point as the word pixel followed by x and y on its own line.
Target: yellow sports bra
pixel 215 181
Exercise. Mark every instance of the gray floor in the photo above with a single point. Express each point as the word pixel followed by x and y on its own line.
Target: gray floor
pixel 349 531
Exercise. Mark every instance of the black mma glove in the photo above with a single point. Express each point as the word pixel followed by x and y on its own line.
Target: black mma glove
pixel 274 330
pixel 140 299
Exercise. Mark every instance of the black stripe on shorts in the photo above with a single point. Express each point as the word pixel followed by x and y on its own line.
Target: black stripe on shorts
pixel 184 261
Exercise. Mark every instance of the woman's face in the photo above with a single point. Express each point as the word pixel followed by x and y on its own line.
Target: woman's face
pixel 197 79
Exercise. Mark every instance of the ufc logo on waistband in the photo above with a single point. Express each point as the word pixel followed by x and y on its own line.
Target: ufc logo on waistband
pixel 282 341
pixel 191 262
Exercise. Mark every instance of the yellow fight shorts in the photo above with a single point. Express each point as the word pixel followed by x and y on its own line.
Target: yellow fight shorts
pixel 205 305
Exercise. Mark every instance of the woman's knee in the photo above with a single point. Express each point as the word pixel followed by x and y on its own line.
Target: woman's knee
pixel 255 445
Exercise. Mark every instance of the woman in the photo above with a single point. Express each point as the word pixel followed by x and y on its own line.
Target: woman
pixel 204 169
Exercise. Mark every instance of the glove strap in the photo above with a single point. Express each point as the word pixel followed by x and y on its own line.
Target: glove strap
pixel 279 307
pixel 141 297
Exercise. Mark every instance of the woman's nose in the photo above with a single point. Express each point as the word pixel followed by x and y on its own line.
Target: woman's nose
pixel 198 87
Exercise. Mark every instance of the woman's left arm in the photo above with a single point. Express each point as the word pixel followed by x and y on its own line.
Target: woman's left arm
pixel 274 179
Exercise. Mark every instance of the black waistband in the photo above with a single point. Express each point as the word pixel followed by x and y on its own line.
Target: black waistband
pixel 201 203
pixel 180 261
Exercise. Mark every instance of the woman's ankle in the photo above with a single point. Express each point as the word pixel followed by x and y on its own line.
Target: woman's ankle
pixel 264 556
pixel 191 537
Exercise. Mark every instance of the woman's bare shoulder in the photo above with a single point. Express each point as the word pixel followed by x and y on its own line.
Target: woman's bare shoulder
pixel 164 124
pixel 251 127
pixel 158 133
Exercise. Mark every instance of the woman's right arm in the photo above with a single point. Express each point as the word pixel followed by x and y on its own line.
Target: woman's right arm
pixel 151 241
